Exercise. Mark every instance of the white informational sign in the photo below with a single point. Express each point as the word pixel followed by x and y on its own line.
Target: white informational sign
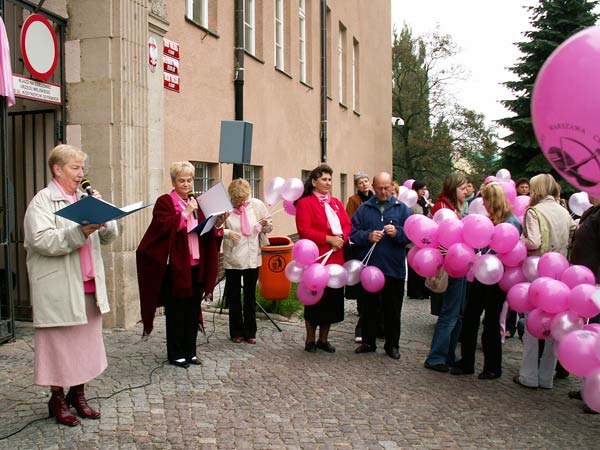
pixel 36 90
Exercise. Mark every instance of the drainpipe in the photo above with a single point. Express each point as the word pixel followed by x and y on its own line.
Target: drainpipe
pixel 238 169
pixel 323 80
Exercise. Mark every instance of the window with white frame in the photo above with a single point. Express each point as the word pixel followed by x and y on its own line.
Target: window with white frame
pixel 203 177
pixel 252 176
pixel 355 75
pixel 343 186
pixel 302 38
pixel 249 26
pixel 197 11
pixel 279 39
pixel 341 58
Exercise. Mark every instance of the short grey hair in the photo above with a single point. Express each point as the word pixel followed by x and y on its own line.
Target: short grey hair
pixel 358 176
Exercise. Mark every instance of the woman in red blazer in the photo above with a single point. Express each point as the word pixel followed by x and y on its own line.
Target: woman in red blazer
pixel 323 219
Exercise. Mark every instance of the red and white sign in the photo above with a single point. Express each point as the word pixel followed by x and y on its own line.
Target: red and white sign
pixel 171 65
pixel 36 90
pixel 152 54
pixel 171 81
pixel 39 46
pixel 170 48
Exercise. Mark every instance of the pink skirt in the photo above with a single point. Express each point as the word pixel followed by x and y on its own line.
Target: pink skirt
pixel 69 356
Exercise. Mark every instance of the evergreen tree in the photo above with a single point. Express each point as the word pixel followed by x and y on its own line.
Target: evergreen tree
pixel 553 21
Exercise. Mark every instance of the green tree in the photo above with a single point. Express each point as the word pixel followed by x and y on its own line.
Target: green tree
pixel 553 22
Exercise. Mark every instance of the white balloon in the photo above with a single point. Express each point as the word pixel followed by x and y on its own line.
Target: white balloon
pixel 476 207
pixel 273 190
pixel 294 271
pixel 409 198
pixel 529 267
pixel 354 267
pixel 579 203
pixel 338 276
pixel 292 189
pixel 503 175
pixel 402 190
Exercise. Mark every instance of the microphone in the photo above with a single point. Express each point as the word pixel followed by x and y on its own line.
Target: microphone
pixel 192 194
pixel 87 186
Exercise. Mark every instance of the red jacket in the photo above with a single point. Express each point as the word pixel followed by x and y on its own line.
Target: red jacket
pixel 163 241
pixel 443 202
pixel 312 224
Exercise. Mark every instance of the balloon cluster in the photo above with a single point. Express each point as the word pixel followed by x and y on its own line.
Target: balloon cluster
pixel 313 277
pixel 288 190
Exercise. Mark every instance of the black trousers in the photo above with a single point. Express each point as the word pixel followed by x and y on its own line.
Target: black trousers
pixel 389 301
pixel 415 286
pixel 490 299
pixel 182 319
pixel 241 325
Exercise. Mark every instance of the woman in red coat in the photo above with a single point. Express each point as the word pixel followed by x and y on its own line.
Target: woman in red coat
pixel 323 219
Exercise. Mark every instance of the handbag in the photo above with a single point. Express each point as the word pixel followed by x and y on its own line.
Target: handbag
pixel 439 282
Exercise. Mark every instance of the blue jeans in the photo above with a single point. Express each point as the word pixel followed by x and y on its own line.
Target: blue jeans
pixel 447 328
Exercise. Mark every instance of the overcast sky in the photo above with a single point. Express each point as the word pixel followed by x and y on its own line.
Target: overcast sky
pixel 486 31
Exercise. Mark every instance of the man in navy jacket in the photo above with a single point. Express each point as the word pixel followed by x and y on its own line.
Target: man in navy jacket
pixel 381 220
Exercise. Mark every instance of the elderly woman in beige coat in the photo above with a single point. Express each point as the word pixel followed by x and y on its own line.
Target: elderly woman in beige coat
pixel 68 290
pixel 245 232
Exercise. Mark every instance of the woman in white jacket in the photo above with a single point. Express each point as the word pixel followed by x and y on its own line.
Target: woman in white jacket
pixel 245 229
pixel 68 290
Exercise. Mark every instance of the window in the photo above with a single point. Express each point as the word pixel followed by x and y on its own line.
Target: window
pixel 252 176
pixel 302 38
pixel 249 26
pixel 341 63
pixel 197 11
pixel 203 178
pixel 304 175
pixel 279 39
pixel 355 75
pixel 343 181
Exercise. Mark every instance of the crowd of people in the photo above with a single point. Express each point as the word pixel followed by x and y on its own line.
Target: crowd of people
pixel 177 269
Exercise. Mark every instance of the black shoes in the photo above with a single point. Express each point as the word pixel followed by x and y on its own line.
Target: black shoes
pixel 437 367
pixel 194 360
pixel 393 352
pixel 364 348
pixel 310 347
pixel 326 347
pixel 576 395
pixel 489 375
pixel 458 370
pixel 181 362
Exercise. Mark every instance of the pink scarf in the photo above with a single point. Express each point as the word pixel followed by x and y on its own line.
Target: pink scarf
pixel 192 222
pixel 244 222
pixel 85 252
pixel 6 82
pixel 332 217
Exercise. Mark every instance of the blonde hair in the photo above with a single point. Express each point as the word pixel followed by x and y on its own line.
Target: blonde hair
pixel 541 186
pixel 239 191
pixel 495 202
pixel 62 154
pixel 181 167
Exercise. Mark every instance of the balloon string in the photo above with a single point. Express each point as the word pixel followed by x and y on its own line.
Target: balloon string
pixel 367 257
pixel 277 211
pixel 325 256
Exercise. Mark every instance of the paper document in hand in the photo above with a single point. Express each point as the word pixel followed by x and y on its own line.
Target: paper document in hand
pixel 214 201
pixel 207 224
pixel 93 210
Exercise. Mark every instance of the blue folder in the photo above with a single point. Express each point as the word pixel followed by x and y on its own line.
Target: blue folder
pixel 92 210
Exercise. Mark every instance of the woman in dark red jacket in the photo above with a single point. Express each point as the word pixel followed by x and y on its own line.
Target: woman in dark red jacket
pixel 323 219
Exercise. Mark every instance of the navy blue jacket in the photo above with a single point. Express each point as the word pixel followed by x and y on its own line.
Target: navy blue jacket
pixel 390 253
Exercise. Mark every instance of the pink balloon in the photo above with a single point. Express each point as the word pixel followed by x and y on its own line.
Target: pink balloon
pixel 459 259
pixel 477 231
pixel 289 207
pixel 512 276
pixel 338 276
pixel 554 296
pixel 411 254
pixel 577 352
pixel 294 271
pixel 444 214
pixel 593 327
pixel 514 257
pixel 354 267
pixel 307 296
pixel 564 93
pixel 520 204
pixel 574 275
pixel 505 238
pixel 565 322
pixel 590 392
pixel 292 189
pixel 273 190
pixel 316 277
pixel 425 233
pixel 509 191
pixel 412 224
pixel 538 323
pixel 488 269
pixel 529 267
pixel 372 279
pixel 305 252
pixel 427 261
pixel 489 179
pixel 449 231
pixel 552 264
pixel 517 298
pixel 409 198
pixel 408 183
pixel 580 300
pixel 536 289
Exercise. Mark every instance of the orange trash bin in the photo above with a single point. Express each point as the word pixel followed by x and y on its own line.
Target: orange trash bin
pixel 272 282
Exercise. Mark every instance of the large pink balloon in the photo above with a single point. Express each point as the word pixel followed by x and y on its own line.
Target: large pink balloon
pixel 294 271
pixel 292 189
pixel 538 323
pixel 316 277
pixel 512 276
pixel 537 290
pixel 273 190
pixel 372 279
pixel 505 238
pixel 489 179
pixel 408 183
pixel 289 207
pixel 529 267
pixel 520 204
pixel 354 267
pixel 565 108
pixel 488 269
pixel 577 352
pixel 565 322
pixel 338 276
pixel 307 296
pixel 427 261
pixel 514 257
pixel 580 300
pixel 591 389
pixel 412 224
pixel 426 233
pixel 459 259
pixel 477 231
pixel 554 296
pixel 444 214
pixel 517 298
pixel 449 231
pixel 305 252
pixel 552 264
pixel 576 274
pixel 411 254
pixel 509 191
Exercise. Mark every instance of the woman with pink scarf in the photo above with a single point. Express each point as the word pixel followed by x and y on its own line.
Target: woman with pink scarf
pixel 68 290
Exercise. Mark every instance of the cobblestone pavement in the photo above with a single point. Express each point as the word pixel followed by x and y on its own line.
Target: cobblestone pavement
pixel 274 395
